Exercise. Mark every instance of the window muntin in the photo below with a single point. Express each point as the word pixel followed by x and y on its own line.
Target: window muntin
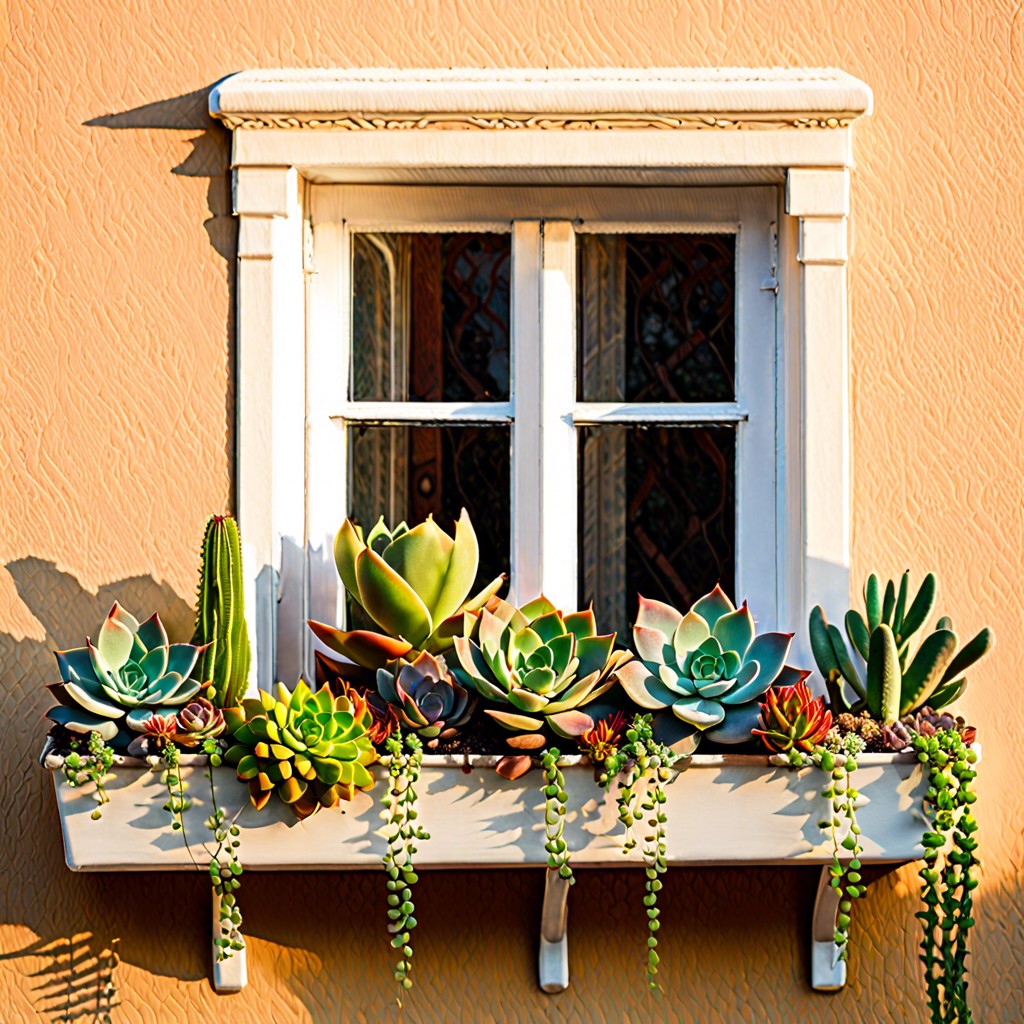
pixel 554 433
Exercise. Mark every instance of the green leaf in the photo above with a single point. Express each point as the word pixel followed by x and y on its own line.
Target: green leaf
pixel 925 673
pixel 920 607
pixel 462 568
pixel 390 601
pixel 969 654
pixel 873 602
pixel 883 681
pixel 421 557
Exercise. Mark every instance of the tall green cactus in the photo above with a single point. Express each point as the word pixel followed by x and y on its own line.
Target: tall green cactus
pixel 892 683
pixel 220 616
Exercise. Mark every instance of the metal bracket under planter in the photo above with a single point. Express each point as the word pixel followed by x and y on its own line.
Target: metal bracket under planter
pixel 753 811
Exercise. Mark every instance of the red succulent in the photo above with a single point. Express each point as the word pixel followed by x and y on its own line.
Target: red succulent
pixel 791 717
pixel 604 738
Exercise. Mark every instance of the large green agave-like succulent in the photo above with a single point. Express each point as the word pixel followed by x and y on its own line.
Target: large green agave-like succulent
pixel 707 667
pixel 542 664
pixel 132 673
pixel 312 749
pixel 414 584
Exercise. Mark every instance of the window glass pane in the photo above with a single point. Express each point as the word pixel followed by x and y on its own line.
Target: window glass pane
pixel 657 516
pixel 430 317
pixel 407 472
pixel 656 318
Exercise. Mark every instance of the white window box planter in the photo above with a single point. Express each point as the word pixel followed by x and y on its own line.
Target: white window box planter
pixel 723 809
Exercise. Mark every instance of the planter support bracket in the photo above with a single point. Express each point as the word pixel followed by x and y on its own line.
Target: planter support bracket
pixel 553 961
pixel 229 975
pixel 828 972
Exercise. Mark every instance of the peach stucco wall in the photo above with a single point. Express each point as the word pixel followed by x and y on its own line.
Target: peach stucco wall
pixel 115 406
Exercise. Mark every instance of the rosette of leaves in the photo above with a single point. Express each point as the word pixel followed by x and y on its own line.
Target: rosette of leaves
pixel 888 672
pixel 198 721
pixel 703 672
pixel 541 666
pixel 413 583
pixel 335 674
pixel 131 673
pixel 425 696
pixel 793 719
pixel 312 749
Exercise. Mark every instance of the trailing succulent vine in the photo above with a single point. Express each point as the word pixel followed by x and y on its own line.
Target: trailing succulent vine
pixel 643 766
pixel 947 875
pixel 402 833
pixel 92 765
pixel 225 865
pixel 555 797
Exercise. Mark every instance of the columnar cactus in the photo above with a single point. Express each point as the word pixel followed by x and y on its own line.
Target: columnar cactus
pixel 414 584
pixel 220 613
pixel 539 666
pixel 132 673
pixel 891 679
pixel 706 667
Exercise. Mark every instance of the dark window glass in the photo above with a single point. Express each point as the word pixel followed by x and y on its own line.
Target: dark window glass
pixel 430 317
pixel 408 472
pixel 657 516
pixel 656 318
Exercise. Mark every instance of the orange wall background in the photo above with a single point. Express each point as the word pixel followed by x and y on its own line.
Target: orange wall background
pixel 115 410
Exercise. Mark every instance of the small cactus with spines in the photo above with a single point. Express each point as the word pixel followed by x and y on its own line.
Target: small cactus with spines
pixel 220 614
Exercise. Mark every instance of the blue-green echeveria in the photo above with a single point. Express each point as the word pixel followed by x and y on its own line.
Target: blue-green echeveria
pixel 707 667
pixel 132 673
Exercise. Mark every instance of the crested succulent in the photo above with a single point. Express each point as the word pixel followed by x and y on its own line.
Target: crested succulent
pixel 791 718
pixel 131 673
pixel 887 674
pixel 220 613
pixel 312 749
pixel 426 698
pixel 413 583
pixel 541 665
pixel 707 667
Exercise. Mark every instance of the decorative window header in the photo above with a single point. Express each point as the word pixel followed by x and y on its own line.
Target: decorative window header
pixel 596 98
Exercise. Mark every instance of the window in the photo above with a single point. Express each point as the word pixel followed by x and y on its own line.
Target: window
pixel 660 381
pixel 591 372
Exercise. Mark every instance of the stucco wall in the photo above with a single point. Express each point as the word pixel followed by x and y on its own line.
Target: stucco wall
pixel 115 398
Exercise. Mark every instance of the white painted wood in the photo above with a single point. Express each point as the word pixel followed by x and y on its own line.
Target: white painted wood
pixel 596 413
pixel 558 514
pixel 527 555
pixel 264 191
pixel 828 972
pixel 232 974
pixel 553 949
pixel 818 193
pixel 749 813
pixel 423 412
pixel 823 240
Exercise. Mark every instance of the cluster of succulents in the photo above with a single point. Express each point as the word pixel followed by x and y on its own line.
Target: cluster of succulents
pixel 311 748
pixel 414 584
pixel 703 672
pixel 116 686
pixel 895 677
pixel 540 667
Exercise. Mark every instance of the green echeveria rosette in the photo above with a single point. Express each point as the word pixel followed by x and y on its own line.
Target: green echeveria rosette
pixel 131 673
pixel 312 749
pixel 414 583
pixel 542 666
pixel 707 667
pixel 426 698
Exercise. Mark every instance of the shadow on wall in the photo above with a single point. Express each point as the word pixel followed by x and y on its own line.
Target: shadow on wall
pixel 211 159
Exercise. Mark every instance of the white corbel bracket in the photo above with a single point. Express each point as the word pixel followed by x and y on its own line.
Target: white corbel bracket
pixel 230 975
pixel 828 972
pixel 553 960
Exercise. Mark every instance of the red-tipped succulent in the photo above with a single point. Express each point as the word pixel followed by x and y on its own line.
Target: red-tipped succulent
pixel 793 719
pixel 605 737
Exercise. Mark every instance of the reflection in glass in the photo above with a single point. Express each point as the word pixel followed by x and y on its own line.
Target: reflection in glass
pixel 656 318
pixel 430 317
pixel 657 516
pixel 408 472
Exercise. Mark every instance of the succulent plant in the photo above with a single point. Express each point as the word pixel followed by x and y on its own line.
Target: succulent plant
pixel 427 699
pixel 413 583
pixel 604 738
pixel 928 722
pixel 132 673
pixel 200 719
pixel 791 718
pixel 336 675
pixel 220 613
pixel 312 749
pixel 542 665
pixel 891 679
pixel 708 667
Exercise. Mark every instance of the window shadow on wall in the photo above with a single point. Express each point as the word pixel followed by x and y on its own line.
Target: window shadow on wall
pixel 210 159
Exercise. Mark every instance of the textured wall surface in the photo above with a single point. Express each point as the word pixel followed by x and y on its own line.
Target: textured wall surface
pixel 115 399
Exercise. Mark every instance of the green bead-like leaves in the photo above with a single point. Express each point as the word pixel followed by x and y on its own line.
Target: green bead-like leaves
pixel 707 667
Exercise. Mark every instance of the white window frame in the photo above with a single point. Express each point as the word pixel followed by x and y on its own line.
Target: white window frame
pixel 298 129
